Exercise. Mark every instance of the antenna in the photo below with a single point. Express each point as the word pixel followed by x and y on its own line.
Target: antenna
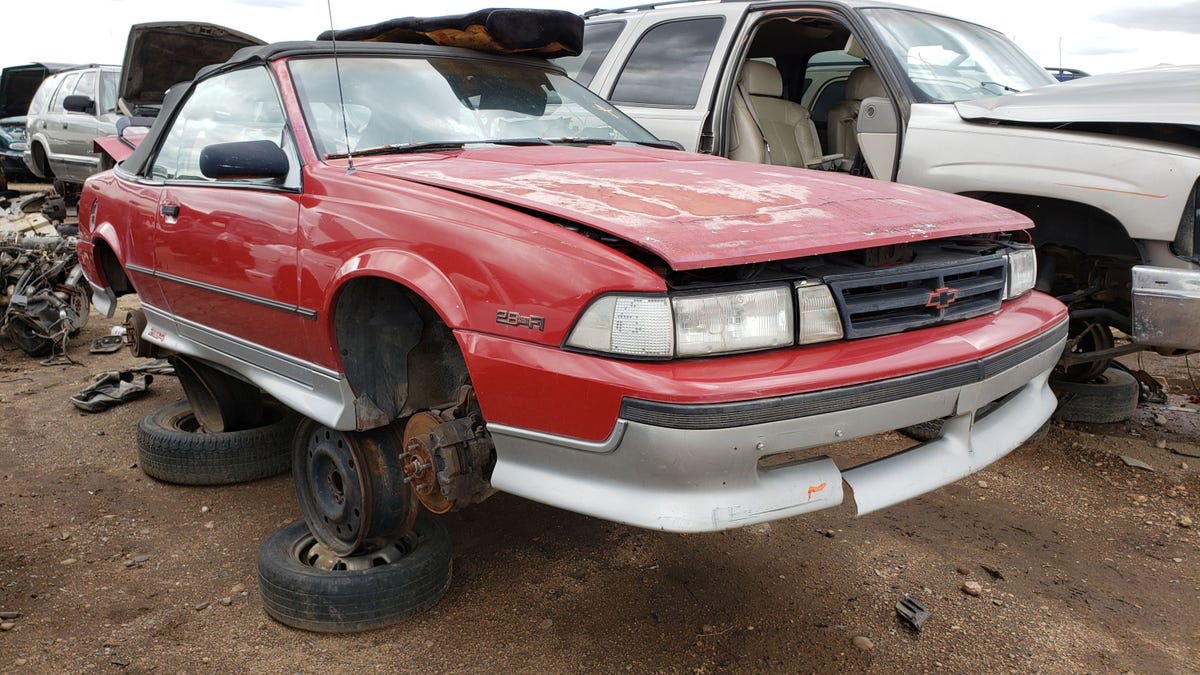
pixel 341 96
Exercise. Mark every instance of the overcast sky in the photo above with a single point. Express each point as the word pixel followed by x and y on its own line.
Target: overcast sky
pixel 1095 35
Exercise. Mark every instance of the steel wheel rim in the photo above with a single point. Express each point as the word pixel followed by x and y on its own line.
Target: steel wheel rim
pixel 336 503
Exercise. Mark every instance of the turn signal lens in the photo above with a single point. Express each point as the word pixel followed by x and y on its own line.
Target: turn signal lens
pixel 819 319
pixel 627 325
pixel 1022 271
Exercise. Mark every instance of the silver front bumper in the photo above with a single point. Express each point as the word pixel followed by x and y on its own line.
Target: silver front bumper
pixel 696 468
pixel 1166 307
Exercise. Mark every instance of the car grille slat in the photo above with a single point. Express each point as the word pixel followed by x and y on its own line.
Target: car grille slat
pixel 897 299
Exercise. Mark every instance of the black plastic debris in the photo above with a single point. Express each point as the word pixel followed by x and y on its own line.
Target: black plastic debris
pixel 912 612
pixel 111 388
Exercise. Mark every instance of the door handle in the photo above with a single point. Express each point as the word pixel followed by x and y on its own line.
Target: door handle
pixel 169 210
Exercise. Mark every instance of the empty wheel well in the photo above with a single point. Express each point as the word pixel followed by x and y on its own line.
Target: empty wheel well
pixel 1084 254
pixel 39 158
pixel 110 267
pixel 1070 224
pixel 398 354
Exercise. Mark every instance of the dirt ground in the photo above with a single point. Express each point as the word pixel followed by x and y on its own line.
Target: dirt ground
pixel 1086 563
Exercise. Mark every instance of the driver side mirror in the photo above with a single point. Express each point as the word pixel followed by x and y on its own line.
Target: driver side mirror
pixel 78 103
pixel 244 159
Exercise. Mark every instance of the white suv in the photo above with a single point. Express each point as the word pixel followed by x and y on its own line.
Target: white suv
pixel 1106 166
pixel 70 110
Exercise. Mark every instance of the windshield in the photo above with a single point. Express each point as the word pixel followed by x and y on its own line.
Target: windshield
pixel 438 103
pixel 950 60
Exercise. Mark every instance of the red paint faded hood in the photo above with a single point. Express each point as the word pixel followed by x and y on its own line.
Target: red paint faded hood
pixel 697 211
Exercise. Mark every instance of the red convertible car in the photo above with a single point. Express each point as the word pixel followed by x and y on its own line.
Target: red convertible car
pixel 467 273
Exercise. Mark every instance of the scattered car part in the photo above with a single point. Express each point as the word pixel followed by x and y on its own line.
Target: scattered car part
pixel 305 585
pixel 912 611
pixel 107 344
pixel 1110 397
pixel 111 388
pixel 174 448
pixel 44 296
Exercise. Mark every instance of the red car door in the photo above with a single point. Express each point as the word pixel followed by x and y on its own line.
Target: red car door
pixel 225 248
pixel 227 262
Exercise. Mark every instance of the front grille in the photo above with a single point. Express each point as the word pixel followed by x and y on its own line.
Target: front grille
pixel 897 299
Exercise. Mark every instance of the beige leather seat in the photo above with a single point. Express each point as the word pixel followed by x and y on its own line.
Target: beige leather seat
pixel 786 127
pixel 862 83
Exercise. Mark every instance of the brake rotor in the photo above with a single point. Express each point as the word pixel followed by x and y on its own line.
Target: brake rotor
pixel 420 469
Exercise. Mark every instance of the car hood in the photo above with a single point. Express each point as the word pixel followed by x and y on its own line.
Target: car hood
pixel 159 55
pixel 19 83
pixel 697 211
pixel 1161 95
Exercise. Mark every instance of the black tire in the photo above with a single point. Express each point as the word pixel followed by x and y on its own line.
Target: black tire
pixel 380 593
pixel 925 431
pixel 173 447
pixel 1111 397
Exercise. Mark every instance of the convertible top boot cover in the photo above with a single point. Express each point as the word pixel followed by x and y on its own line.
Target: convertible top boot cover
pixel 541 32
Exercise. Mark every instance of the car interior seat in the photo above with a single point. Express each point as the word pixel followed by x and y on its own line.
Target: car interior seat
pixel 863 82
pixel 769 129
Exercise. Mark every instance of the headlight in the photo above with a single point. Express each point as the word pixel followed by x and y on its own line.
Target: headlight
pixel 689 325
pixel 1022 271
pixel 733 322
pixel 18 145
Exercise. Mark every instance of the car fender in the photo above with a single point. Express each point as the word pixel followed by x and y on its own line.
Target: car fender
pixel 409 270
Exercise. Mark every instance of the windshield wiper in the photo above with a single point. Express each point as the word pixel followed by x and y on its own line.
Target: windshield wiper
pixel 401 148
pixel 1005 87
pixel 435 146
pixel 665 145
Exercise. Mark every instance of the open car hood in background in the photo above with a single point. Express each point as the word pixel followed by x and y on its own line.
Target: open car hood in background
pixel 538 32
pixel 159 55
pixel 19 83
pixel 1160 95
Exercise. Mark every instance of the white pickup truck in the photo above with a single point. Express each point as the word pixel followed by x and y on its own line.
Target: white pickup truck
pixel 1105 166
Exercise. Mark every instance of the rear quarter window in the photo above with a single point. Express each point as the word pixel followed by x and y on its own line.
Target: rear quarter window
pixel 598 39
pixel 43 95
pixel 667 66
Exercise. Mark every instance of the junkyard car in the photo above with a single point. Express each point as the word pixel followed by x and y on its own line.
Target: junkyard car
pixel 69 110
pixel 17 87
pixel 1108 166
pixel 471 274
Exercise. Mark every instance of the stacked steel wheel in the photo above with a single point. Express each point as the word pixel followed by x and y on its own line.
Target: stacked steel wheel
pixel 363 556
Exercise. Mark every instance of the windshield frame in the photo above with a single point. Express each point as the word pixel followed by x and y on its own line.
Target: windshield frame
pixel 570 92
pixel 1023 72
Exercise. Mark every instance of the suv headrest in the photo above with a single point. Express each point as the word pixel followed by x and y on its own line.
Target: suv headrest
pixel 761 79
pixel 863 83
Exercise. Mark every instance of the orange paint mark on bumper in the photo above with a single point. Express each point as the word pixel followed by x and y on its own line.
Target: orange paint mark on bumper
pixel 814 488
